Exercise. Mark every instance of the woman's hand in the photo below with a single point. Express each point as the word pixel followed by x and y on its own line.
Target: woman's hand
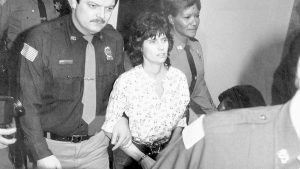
pixel 4 141
pixel 147 163
pixel 121 135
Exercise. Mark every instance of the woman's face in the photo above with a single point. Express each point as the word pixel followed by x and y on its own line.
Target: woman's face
pixel 186 22
pixel 155 49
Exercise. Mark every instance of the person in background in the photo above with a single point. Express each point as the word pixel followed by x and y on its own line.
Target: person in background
pixel 68 67
pixel 153 95
pixel 17 17
pixel 186 53
pixel 240 96
pixel 251 138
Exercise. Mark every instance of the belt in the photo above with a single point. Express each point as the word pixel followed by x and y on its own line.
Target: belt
pixel 150 149
pixel 73 139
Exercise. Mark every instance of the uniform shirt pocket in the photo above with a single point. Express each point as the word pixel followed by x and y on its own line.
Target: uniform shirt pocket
pixel 67 86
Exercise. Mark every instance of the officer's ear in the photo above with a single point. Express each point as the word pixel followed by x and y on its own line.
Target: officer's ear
pixel 73 3
pixel 170 18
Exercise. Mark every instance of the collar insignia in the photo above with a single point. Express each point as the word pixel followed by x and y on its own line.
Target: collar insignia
pixel 73 37
pixel 108 53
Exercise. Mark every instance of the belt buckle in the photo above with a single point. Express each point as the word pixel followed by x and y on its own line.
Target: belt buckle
pixel 155 147
pixel 76 138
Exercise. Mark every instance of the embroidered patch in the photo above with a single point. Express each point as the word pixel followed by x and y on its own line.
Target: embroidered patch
pixel 65 62
pixel 283 155
pixel 108 53
pixel 29 52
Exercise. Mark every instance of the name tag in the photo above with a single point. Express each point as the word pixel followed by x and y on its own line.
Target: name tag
pixel 65 62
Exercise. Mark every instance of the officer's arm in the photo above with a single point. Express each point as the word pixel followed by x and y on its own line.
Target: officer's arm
pixel 32 84
pixel 5 9
pixel 201 101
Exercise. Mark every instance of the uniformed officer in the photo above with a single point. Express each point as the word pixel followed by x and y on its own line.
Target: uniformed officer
pixel 186 53
pixel 68 68
pixel 17 16
pixel 254 138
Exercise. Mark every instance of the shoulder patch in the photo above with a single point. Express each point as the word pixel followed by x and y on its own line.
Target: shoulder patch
pixel 2 2
pixel 29 52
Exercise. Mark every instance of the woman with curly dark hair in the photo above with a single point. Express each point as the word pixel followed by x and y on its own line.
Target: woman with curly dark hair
pixel 153 95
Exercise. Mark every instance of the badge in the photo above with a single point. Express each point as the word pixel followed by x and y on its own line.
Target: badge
pixel 283 155
pixel 73 37
pixel 29 52
pixel 65 62
pixel 108 53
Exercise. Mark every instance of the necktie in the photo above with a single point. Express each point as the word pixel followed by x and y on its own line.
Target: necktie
pixel 89 91
pixel 42 10
pixel 192 67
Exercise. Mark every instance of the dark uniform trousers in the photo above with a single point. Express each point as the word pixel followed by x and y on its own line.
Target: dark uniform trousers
pixel 256 138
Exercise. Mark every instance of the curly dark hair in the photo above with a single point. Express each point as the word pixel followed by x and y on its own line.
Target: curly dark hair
pixel 172 7
pixel 147 25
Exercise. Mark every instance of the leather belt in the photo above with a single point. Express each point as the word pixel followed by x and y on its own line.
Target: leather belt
pixel 152 150
pixel 73 139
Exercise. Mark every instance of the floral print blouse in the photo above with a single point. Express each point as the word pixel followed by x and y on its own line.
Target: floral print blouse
pixel 151 117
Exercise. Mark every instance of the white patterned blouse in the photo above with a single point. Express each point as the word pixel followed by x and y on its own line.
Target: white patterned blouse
pixel 151 118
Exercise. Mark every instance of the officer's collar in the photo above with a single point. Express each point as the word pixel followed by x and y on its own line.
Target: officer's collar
pixel 74 33
pixel 177 43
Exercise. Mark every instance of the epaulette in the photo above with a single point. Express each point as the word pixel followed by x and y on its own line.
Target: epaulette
pixel 194 39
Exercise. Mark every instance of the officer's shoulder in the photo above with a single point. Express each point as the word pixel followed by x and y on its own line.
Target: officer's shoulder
pixel 45 30
pixel 111 32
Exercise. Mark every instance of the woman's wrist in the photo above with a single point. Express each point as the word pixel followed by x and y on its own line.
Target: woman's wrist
pixel 142 158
